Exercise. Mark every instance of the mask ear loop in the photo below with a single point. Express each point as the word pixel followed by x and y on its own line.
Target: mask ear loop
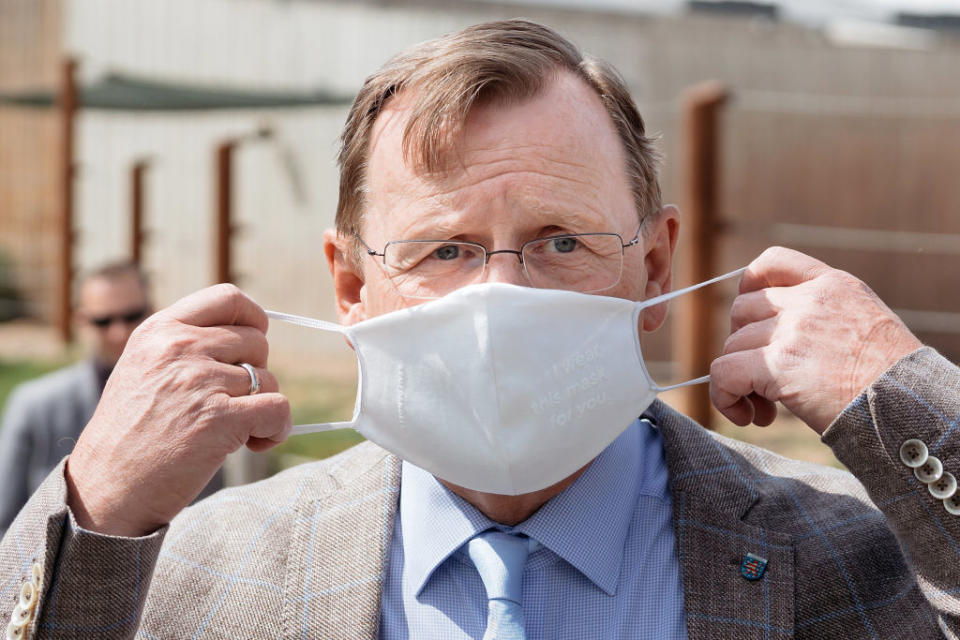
pixel 323 325
pixel 652 302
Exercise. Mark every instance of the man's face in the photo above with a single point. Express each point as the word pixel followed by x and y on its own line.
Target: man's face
pixel 550 165
pixel 110 309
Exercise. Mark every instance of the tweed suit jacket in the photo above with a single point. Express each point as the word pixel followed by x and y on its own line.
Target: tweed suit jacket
pixel 41 422
pixel 302 554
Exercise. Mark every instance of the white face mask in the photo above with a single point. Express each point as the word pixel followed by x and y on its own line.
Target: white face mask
pixel 500 388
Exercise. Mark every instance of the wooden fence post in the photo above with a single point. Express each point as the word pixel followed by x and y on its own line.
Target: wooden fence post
pixel 67 110
pixel 695 319
pixel 137 234
pixel 223 226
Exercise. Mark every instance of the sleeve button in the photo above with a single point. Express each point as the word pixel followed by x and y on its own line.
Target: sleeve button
pixel 28 596
pixel 952 504
pixel 20 617
pixel 929 471
pixel 913 453
pixel 943 488
pixel 15 633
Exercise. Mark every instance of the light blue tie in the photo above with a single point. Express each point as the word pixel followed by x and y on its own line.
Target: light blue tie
pixel 500 558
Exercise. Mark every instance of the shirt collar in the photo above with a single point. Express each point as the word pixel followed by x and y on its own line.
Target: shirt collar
pixel 435 523
pixel 586 525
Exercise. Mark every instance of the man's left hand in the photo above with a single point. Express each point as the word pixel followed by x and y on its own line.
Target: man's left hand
pixel 806 335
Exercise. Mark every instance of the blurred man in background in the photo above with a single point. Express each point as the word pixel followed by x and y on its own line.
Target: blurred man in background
pixel 44 417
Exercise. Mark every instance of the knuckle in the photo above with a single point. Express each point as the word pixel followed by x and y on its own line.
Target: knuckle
pixel 226 290
pixel 178 344
pixel 718 369
pixel 729 345
pixel 280 404
pixel 268 380
pixel 227 294
pixel 738 307
pixel 775 253
pixel 259 343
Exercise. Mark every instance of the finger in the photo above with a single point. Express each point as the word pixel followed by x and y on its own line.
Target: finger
pixel 232 344
pixel 235 380
pixel 222 304
pixel 764 411
pixel 739 413
pixel 259 445
pixel 752 307
pixel 734 377
pixel 752 336
pixel 265 416
pixel 753 408
pixel 780 267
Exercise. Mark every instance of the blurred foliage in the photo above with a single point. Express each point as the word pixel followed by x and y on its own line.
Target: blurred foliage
pixel 11 302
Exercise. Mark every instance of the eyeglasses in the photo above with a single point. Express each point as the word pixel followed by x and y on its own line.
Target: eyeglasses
pixel 128 318
pixel 584 262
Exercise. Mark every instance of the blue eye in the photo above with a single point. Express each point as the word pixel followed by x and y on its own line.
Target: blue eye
pixel 564 245
pixel 447 252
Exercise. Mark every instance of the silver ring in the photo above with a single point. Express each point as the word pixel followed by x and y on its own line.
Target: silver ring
pixel 254 380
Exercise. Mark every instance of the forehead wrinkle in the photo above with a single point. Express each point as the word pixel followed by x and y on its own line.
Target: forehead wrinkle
pixel 540 174
pixel 437 224
pixel 430 227
pixel 453 210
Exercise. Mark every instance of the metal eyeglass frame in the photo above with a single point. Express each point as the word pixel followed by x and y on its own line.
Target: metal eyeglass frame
pixel 519 253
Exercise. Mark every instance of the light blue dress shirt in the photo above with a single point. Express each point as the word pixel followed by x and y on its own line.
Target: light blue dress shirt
pixel 605 567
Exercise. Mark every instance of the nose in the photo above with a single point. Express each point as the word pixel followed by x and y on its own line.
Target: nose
pixel 506 267
pixel 119 332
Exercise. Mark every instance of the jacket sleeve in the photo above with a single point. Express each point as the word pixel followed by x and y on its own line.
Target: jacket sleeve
pixel 917 399
pixel 15 446
pixel 83 584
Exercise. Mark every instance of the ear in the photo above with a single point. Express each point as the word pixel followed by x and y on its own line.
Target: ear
pixel 347 277
pixel 660 240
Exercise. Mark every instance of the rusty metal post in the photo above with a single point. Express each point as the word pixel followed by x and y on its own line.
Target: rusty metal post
pixel 137 233
pixel 224 212
pixel 67 110
pixel 693 341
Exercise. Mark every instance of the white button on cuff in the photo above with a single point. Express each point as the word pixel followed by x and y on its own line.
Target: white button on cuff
pixel 15 633
pixel 37 575
pixel 28 595
pixel 943 488
pixel 20 616
pixel 952 504
pixel 929 471
pixel 913 453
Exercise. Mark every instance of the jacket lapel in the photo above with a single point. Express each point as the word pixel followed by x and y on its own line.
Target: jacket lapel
pixel 714 489
pixel 339 549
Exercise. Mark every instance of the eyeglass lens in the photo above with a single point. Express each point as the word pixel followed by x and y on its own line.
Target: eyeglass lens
pixel 128 318
pixel 585 262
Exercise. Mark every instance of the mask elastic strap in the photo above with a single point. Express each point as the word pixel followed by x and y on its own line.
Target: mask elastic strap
pixel 670 296
pixel 323 325
pixel 303 321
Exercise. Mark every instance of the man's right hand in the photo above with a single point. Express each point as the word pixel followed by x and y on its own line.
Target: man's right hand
pixel 175 405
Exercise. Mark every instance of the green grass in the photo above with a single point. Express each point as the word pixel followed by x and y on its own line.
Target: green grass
pixel 13 372
pixel 316 400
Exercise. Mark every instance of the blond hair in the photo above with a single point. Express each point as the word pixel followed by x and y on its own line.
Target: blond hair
pixel 506 61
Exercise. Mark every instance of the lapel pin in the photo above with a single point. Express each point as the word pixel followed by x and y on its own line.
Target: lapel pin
pixel 753 567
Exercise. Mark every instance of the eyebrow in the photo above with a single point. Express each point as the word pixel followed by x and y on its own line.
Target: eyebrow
pixel 444 225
